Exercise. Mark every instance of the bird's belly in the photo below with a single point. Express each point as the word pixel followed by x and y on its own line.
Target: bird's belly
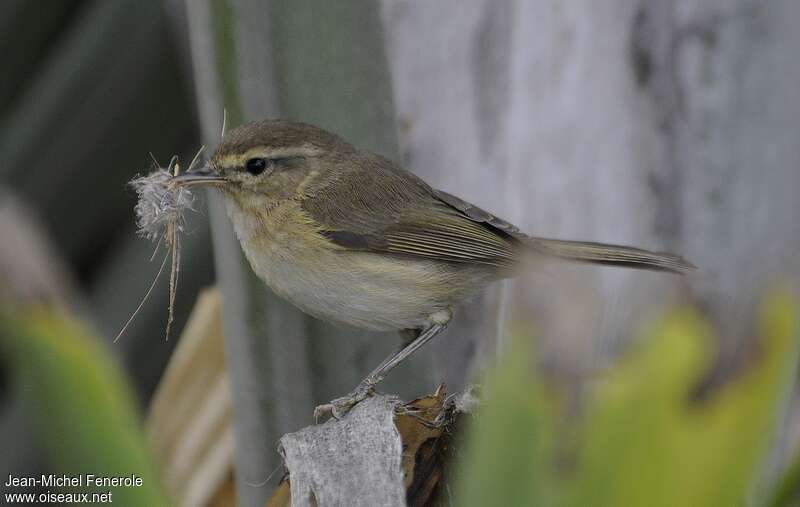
pixel 366 290
pixel 361 289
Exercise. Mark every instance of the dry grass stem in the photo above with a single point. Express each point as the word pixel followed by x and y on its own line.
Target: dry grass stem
pixel 160 216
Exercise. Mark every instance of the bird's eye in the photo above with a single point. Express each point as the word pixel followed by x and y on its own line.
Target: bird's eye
pixel 256 166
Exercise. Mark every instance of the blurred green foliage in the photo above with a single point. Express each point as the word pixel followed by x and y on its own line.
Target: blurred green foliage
pixel 508 445
pixel 788 491
pixel 641 440
pixel 81 407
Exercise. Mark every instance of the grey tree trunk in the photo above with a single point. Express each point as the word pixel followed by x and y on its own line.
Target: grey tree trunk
pixel 320 62
pixel 667 125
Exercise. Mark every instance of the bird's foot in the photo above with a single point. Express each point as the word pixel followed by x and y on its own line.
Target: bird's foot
pixel 339 407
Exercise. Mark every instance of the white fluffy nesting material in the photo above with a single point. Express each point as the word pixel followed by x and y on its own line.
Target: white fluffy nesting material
pixel 160 204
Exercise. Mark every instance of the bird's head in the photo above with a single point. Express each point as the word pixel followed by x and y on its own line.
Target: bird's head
pixel 272 159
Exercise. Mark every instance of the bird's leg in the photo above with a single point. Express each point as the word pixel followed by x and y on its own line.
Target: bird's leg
pixel 340 406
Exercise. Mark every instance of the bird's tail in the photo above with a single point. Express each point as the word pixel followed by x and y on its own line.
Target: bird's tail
pixel 613 255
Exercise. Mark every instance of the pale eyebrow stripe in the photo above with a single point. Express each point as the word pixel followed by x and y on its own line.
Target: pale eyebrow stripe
pixel 233 160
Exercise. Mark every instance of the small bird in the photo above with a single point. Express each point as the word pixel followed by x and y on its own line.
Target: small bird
pixel 349 236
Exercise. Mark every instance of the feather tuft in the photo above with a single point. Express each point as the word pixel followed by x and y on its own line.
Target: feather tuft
pixel 160 204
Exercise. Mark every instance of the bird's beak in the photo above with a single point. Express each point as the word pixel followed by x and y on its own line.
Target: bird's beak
pixel 200 176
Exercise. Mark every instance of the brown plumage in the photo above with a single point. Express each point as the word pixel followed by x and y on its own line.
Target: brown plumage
pixel 349 236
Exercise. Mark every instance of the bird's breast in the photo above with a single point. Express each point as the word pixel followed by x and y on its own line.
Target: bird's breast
pixel 366 290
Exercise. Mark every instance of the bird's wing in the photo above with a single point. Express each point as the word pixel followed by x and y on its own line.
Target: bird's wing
pixel 476 214
pixel 389 210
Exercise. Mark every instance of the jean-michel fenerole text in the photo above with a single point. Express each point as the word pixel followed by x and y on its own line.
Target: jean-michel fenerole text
pixel 75 481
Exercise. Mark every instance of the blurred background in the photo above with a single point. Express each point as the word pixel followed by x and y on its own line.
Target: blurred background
pixel 669 125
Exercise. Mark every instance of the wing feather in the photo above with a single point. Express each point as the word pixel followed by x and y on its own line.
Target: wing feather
pixel 387 209
pixel 380 207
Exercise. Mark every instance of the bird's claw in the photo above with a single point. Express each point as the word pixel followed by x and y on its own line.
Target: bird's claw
pixel 339 407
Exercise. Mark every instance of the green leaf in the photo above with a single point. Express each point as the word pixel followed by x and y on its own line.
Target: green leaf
pixel 79 402
pixel 641 439
pixel 507 442
pixel 646 443
pixel 787 492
